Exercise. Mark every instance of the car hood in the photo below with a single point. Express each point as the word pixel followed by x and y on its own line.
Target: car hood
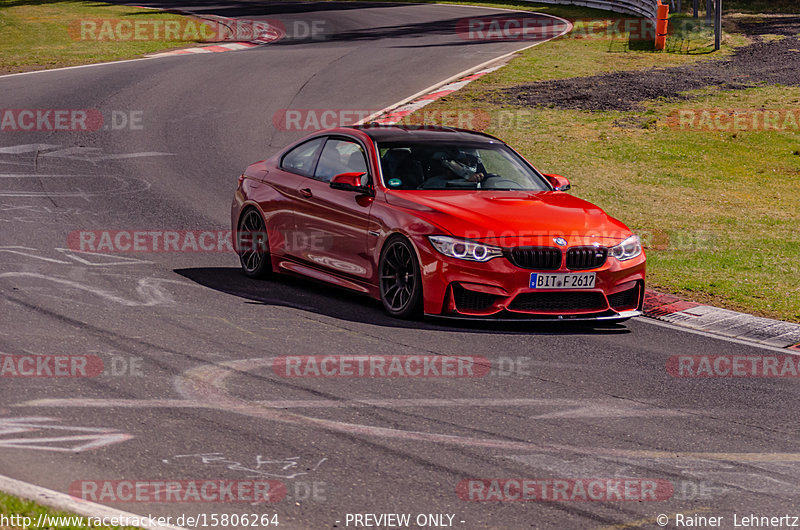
pixel 511 218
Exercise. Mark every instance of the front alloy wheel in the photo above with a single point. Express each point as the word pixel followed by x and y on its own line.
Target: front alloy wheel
pixel 252 245
pixel 400 280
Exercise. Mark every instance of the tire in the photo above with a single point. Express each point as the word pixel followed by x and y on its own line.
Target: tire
pixel 400 279
pixel 253 245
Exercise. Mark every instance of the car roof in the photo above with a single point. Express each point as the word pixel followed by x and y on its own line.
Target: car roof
pixel 425 133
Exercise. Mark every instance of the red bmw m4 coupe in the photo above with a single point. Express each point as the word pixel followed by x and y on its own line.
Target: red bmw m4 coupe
pixel 435 221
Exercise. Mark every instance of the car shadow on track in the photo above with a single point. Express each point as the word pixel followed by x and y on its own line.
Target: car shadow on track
pixel 334 302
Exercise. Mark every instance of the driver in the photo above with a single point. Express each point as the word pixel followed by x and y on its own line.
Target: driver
pixel 465 166
pixel 460 165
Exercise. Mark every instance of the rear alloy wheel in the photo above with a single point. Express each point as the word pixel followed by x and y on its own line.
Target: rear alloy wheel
pixel 400 280
pixel 252 245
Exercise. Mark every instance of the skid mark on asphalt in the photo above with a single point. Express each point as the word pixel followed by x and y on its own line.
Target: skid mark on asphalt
pixel 205 387
pixel 691 479
pixel 35 184
pixel 150 291
pixel 87 154
pixel 71 185
pixel 40 213
pixel 390 403
pixel 617 409
pixel 92 438
pixel 93 259
pixel 238 327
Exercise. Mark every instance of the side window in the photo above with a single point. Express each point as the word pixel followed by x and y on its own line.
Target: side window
pixel 340 156
pixel 301 159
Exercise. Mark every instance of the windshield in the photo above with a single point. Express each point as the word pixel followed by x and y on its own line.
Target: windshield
pixel 434 166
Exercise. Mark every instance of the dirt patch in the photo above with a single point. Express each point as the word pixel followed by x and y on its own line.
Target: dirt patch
pixel 767 61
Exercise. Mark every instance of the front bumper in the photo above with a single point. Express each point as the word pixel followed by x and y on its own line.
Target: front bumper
pixel 499 290
pixel 611 316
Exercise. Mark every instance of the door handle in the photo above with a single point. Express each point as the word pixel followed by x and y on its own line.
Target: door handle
pixel 306 192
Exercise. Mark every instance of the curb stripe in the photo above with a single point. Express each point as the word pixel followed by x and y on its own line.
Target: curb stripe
pixel 395 115
pixel 722 322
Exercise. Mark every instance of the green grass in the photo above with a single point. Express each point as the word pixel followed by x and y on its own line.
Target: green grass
pixel 40 35
pixel 718 210
pixel 573 55
pixel 12 506
pixel 757 6
pixel 570 57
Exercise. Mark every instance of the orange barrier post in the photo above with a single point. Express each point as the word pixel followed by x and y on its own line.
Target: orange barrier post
pixel 662 25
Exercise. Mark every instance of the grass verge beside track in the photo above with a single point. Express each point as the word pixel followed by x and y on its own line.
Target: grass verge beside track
pixel 11 506
pixel 41 35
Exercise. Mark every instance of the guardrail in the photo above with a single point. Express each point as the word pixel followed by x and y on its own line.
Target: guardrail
pixel 641 8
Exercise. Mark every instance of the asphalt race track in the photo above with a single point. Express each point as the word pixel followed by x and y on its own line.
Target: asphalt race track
pixel 187 342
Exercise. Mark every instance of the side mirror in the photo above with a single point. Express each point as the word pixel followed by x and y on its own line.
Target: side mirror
pixel 349 182
pixel 558 182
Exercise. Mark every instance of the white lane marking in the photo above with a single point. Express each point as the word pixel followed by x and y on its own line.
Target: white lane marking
pixel 149 289
pixel 93 438
pixel 113 259
pixel 93 441
pixel 135 155
pixel 73 67
pixel 94 154
pixel 126 185
pixel 578 408
pixel 616 409
pixel 235 46
pixel 26 148
pixel 73 255
pixel 90 154
pixel 69 504
pixel 18 250
pixel 39 175
pixel 68 152
pixel 112 403
pixel 750 343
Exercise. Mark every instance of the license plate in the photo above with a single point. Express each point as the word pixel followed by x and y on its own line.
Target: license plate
pixel 562 281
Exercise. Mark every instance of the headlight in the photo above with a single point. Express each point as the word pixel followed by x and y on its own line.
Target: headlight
pixel 463 249
pixel 628 249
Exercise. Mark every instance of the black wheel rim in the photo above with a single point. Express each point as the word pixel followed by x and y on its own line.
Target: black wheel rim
pixel 252 237
pixel 398 278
